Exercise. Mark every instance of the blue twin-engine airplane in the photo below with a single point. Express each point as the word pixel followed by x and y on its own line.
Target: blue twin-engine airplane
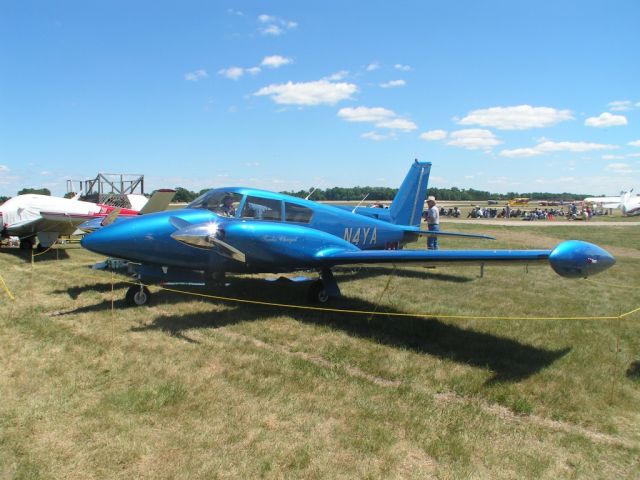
pixel 245 230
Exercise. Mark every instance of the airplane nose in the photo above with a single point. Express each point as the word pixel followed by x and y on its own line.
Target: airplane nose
pixel 100 241
pixel 578 259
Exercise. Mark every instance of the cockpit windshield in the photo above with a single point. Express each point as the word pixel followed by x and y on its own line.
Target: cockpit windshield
pixel 218 201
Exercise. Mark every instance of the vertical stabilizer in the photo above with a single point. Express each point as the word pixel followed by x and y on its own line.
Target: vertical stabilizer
pixel 407 205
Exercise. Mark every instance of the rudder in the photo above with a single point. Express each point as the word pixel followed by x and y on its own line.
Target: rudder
pixel 407 205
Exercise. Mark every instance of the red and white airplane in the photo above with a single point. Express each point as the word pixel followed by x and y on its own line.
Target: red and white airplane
pixel 30 216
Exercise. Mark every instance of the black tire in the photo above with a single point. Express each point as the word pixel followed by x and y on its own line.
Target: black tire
pixel 26 244
pixel 214 280
pixel 317 293
pixel 137 297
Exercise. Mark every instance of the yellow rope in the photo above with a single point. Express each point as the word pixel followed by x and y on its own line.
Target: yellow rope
pixel 46 250
pixel 378 313
pixel 6 289
pixel 372 313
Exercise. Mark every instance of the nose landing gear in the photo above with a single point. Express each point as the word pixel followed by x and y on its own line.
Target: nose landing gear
pixel 138 295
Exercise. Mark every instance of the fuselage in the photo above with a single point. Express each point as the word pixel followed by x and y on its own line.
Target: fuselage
pixel 289 231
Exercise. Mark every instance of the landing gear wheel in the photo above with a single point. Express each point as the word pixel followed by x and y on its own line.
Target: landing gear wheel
pixel 214 280
pixel 317 293
pixel 138 296
pixel 26 244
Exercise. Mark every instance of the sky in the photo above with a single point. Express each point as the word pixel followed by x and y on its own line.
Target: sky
pixel 287 95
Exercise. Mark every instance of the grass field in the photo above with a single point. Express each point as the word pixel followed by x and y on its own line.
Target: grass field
pixel 198 388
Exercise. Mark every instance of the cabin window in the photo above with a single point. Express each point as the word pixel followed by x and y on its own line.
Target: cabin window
pixel 297 213
pixel 218 201
pixel 262 209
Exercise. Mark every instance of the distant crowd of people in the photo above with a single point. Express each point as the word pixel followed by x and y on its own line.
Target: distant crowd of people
pixel 572 213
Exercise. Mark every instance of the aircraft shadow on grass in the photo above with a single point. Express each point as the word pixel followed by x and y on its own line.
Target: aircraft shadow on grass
pixel 51 255
pixel 75 292
pixel 508 359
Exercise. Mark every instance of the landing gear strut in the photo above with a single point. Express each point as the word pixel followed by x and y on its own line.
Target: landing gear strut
pixel 213 280
pixel 138 295
pixel 321 291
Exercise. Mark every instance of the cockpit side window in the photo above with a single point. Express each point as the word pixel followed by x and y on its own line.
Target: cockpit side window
pixel 262 209
pixel 297 213
pixel 218 201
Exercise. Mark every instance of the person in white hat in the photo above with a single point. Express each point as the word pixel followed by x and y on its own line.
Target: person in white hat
pixel 433 222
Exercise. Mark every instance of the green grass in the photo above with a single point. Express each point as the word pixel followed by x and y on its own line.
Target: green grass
pixel 192 388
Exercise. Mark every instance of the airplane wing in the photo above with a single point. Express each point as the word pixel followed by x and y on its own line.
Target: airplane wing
pixel 25 227
pixel 433 257
pixel 44 223
pixel 64 223
pixel 571 258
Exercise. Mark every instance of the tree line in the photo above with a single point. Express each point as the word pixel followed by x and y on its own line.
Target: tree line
pixel 344 194
pixel 447 194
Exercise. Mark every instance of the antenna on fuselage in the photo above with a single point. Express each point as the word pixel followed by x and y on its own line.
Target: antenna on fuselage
pixel 310 193
pixel 360 203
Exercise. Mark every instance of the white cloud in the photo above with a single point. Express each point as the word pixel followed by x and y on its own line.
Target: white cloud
pixel 196 75
pixel 308 93
pixel 520 117
pixel 275 61
pixel 520 153
pixel 377 137
pixel 398 124
pixel 620 105
pixel 274 30
pixel 619 168
pixel 432 135
pixel 393 83
pixel 635 143
pixel 365 114
pixel 275 25
pixel 234 73
pixel 4 169
pixel 380 117
pixel 373 66
pixel 402 68
pixel 606 119
pixel 473 139
pixel 336 77
pixel 612 157
pixel 549 146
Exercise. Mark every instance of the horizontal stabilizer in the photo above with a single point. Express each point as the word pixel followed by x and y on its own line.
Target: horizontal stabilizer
pixel 426 233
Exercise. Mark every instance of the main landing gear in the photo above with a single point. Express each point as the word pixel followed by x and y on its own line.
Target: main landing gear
pixel 26 243
pixel 138 295
pixel 323 290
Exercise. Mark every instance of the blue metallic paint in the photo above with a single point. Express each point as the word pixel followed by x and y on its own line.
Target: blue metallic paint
pixel 333 236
